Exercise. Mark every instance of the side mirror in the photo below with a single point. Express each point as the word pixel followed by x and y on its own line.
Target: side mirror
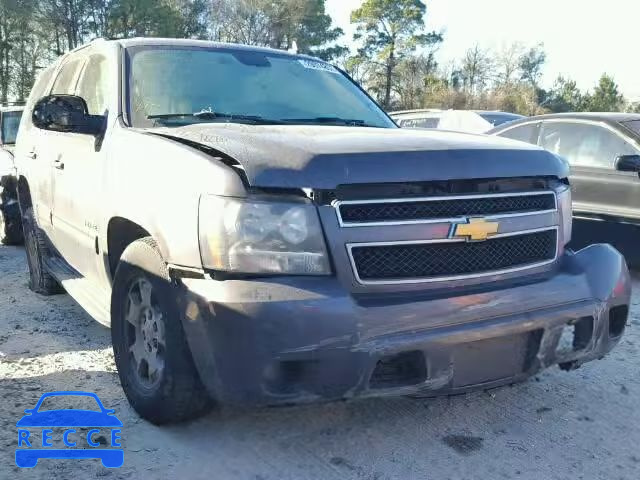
pixel 628 163
pixel 66 113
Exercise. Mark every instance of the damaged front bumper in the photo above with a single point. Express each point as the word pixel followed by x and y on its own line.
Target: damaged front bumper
pixel 292 340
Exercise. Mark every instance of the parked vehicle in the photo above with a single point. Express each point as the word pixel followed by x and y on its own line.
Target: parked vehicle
pixel 256 230
pixel 10 224
pixel 603 150
pixel 470 121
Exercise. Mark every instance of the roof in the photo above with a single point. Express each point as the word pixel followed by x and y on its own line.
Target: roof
pixel 600 116
pixel 144 41
pixel 417 110
pixel 436 110
pixel 497 112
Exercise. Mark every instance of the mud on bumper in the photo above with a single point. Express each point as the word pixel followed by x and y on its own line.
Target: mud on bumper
pixel 294 340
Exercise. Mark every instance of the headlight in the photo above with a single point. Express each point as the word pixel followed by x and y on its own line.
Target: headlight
pixel 565 209
pixel 258 236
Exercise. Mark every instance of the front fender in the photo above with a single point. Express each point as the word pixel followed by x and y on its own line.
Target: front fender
pixel 157 183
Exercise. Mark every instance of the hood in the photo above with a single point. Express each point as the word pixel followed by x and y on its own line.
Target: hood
pixel 312 156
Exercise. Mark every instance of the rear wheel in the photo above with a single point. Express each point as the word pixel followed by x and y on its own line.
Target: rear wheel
pixel 154 363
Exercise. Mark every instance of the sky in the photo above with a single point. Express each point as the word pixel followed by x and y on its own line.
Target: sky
pixel 582 39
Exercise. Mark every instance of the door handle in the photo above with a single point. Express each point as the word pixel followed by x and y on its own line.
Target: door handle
pixel 32 154
pixel 59 164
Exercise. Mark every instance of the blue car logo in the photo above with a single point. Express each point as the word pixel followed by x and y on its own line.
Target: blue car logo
pixel 29 451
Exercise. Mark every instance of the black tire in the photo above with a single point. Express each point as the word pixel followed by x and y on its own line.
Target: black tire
pixel 175 393
pixel 10 229
pixel 40 280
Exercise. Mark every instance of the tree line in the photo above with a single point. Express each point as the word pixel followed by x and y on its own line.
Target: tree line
pixel 395 56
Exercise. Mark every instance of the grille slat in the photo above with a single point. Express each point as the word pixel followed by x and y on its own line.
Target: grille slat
pixel 451 259
pixel 429 209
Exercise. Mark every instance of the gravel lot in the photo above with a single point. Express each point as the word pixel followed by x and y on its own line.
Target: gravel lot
pixel 582 424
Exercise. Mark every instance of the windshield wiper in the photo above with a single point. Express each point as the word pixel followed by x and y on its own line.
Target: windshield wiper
pixel 223 117
pixel 330 120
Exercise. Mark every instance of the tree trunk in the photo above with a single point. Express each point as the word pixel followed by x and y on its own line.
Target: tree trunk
pixel 389 76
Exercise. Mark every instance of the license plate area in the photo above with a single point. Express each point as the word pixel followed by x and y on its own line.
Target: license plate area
pixel 493 359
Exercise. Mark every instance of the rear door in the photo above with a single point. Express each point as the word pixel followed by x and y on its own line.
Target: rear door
pixel 591 148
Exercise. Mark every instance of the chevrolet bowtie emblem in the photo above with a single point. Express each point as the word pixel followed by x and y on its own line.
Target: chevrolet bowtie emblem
pixel 475 229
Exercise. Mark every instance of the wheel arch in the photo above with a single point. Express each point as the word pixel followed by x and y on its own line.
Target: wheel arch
pixel 24 195
pixel 122 232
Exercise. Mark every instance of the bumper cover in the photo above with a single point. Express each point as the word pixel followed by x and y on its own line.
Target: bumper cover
pixel 294 340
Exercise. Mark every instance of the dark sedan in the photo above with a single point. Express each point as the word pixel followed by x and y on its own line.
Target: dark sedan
pixel 603 150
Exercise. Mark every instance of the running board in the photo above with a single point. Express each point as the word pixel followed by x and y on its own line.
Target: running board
pixel 83 291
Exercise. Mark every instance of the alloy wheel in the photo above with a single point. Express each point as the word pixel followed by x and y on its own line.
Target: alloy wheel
pixel 145 333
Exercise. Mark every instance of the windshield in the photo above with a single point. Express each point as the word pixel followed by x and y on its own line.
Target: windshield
pixel 423 122
pixel 208 84
pixel 633 125
pixel 10 123
pixel 496 119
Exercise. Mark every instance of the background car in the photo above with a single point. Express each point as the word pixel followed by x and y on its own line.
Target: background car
pixel 10 223
pixel 603 150
pixel 472 121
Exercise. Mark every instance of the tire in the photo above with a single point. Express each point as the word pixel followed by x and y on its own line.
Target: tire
pixel 40 280
pixel 152 356
pixel 10 229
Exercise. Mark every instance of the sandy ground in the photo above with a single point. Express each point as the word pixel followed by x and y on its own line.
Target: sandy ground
pixel 559 425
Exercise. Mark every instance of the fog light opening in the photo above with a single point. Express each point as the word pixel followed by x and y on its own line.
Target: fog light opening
pixel 284 378
pixel 618 320
pixel 583 329
pixel 575 336
pixel 402 369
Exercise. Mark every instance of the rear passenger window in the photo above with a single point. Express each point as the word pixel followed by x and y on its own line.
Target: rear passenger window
pixel 525 133
pixel 65 83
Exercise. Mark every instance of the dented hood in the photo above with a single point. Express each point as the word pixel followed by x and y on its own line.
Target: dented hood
pixel 294 156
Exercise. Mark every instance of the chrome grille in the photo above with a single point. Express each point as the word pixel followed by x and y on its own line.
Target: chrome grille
pixel 421 261
pixel 429 209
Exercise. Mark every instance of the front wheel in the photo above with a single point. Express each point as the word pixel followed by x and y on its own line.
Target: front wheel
pixel 154 363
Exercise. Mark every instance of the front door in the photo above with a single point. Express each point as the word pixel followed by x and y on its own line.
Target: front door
pixel 78 164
